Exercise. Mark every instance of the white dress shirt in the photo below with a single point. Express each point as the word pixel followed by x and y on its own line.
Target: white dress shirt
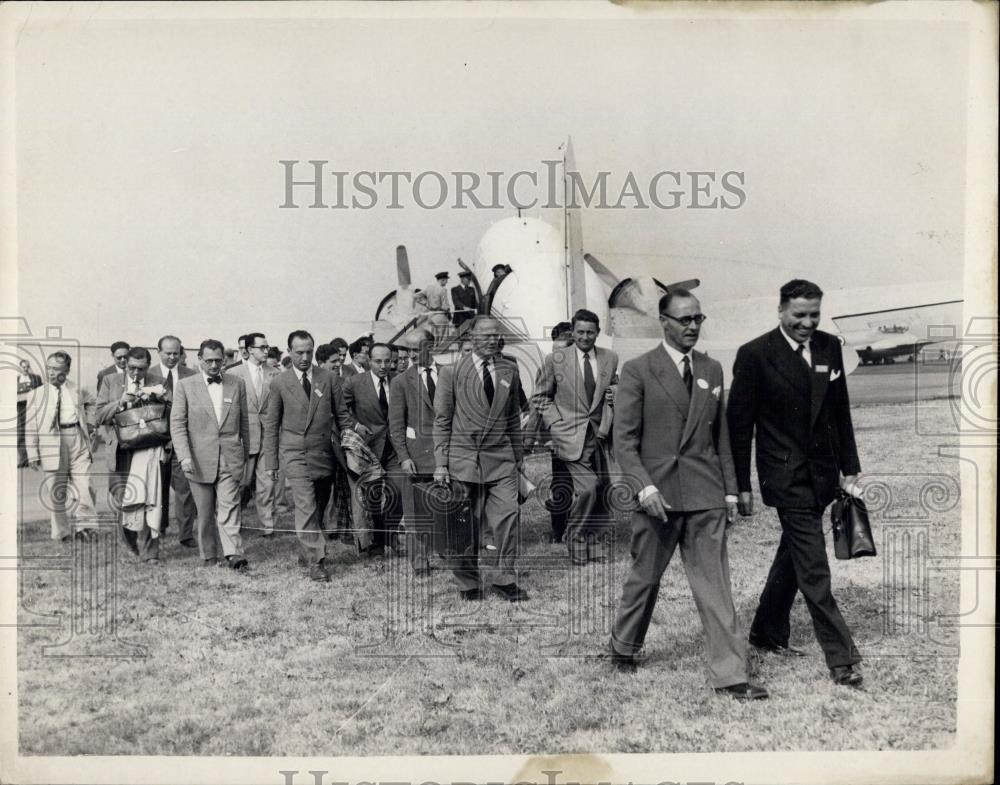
pixel 376 380
pixel 806 352
pixel 422 370
pixel 68 414
pixel 215 393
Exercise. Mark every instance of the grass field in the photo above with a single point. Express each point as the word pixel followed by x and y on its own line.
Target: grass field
pixel 272 664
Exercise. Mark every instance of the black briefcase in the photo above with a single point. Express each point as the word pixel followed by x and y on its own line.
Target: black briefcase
pixel 447 511
pixel 852 531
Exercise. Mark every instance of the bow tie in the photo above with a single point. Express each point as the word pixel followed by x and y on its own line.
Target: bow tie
pixel 214 381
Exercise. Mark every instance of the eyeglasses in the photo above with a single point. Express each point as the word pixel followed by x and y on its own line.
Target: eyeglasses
pixel 263 347
pixel 687 321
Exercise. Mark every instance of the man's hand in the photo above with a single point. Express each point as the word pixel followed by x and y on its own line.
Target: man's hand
pixel 409 467
pixel 731 510
pixel 655 506
pixel 362 430
pixel 272 474
pixel 609 394
pixel 441 475
pixel 850 485
pixel 187 466
pixel 745 504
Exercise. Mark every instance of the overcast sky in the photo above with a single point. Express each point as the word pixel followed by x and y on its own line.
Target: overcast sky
pixel 149 182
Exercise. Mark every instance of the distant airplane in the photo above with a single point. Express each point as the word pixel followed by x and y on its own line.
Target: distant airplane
pixel 550 277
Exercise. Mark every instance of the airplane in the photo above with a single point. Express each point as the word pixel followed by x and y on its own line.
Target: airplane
pixel 550 276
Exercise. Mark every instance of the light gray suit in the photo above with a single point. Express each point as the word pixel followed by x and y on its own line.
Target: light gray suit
pixel 218 449
pixel 480 445
pixel 574 421
pixel 679 444
pixel 256 406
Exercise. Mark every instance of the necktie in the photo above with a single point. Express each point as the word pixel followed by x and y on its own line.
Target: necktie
pixel 431 389
pixel 589 385
pixel 383 401
pixel 801 352
pixel 56 417
pixel 215 380
pixel 169 381
pixel 256 380
pixel 488 382
pixel 307 387
pixel 686 361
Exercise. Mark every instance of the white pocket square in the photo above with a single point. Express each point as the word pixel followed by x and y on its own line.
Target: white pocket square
pixel 717 391
pixel 834 375
pixel 410 432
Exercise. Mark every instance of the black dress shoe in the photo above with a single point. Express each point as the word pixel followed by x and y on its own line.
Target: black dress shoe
pixel 511 592
pixel 471 595
pixel 238 563
pixel 189 543
pixel 318 574
pixel 622 663
pixel 743 692
pixel 846 676
pixel 781 651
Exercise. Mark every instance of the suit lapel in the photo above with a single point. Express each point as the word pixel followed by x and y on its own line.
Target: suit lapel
pixel 501 392
pixel 699 394
pixel 572 357
pixel 228 394
pixel 314 398
pixel 788 363
pixel 244 371
pixel 425 396
pixel 602 372
pixel 201 392
pixel 667 375
pixel 819 380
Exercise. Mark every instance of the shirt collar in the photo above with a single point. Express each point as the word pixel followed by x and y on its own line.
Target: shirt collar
pixel 165 370
pixel 375 378
pixel 791 341
pixel 676 355
pixel 298 373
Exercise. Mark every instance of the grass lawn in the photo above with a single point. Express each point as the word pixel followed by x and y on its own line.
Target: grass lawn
pixel 271 664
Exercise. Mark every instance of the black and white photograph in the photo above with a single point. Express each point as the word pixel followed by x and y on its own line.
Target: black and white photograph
pixel 530 392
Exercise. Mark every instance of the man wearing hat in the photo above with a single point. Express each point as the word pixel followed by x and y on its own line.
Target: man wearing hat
pixel 437 295
pixel 464 298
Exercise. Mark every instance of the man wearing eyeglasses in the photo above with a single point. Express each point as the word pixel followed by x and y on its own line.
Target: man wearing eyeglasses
pixel 672 444
pixel 256 375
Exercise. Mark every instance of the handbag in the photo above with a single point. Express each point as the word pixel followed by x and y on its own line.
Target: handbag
pixel 852 532
pixel 143 426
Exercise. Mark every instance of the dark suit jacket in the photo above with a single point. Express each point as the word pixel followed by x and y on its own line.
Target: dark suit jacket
pixel 802 420
pixel 361 399
pixel 411 420
pixel 669 439
pixel 464 297
pixel 305 435
pixel 475 441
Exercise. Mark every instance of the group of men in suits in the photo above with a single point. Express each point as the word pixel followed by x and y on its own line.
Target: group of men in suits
pixel 688 460
pixel 683 450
